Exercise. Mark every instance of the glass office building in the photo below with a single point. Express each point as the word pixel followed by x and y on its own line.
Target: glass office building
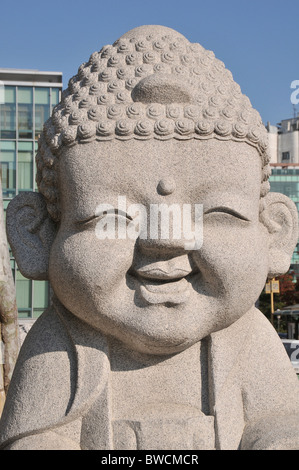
pixel 285 180
pixel 27 98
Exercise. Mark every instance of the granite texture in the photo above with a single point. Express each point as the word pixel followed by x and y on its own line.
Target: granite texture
pixel 152 342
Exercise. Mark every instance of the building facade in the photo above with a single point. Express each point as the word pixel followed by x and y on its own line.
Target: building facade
pixel 284 149
pixel 285 179
pixel 284 141
pixel 27 98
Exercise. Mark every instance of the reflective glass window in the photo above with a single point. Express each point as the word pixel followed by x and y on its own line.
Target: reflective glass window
pixel 25 166
pixel 8 167
pixel 8 114
pixel 5 204
pixel 42 109
pixel 25 112
pixel 40 298
pixel 55 96
pixel 24 295
pixel 34 165
pixel 13 266
pixel 287 183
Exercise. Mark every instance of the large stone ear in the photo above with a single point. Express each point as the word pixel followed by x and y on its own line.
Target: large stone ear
pixel 30 233
pixel 280 217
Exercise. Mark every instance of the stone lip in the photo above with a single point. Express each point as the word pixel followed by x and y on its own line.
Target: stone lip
pixel 159 283
pixel 175 292
pixel 160 274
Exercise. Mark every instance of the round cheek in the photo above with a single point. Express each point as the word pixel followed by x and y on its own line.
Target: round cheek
pixel 81 264
pixel 63 270
pixel 233 262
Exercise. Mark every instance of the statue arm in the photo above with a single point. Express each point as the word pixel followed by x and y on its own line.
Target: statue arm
pixel 279 432
pixel 48 440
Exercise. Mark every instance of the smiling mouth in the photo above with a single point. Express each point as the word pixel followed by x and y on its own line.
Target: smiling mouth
pixel 161 287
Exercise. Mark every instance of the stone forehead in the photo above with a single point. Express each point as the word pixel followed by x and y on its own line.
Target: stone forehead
pixel 153 83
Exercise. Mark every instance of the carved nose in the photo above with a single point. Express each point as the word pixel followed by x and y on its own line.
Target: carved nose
pixel 170 230
pixel 162 247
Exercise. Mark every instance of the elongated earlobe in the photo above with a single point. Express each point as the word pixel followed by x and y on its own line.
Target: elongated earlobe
pixel 280 217
pixel 30 233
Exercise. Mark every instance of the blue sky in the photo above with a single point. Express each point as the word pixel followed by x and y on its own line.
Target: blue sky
pixel 256 39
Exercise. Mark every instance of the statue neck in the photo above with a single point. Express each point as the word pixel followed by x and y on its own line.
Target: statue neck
pixel 142 383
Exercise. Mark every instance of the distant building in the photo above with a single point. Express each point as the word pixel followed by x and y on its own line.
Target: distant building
pixel 284 141
pixel 284 150
pixel 27 98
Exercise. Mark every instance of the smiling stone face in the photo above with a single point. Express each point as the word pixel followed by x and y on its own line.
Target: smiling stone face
pixel 154 294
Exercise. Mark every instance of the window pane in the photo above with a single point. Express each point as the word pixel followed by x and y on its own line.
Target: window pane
pixel 42 114
pixel 37 312
pixel 42 109
pixel 24 312
pixel 40 301
pixel 25 121
pixel 55 96
pixel 25 112
pixel 8 168
pixel 24 289
pixel 25 166
pixel 10 94
pixel 5 204
pixel 42 96
pixel 8 114
pixel 25 95
pixel 13 266
pixel 34 166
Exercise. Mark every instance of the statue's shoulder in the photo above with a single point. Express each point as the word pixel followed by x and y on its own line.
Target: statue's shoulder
pixel 42 386
pixel 47 326
pixel 270 391
pixel 264 336
pixel 61 369
pixel 48 343
pixel 269 368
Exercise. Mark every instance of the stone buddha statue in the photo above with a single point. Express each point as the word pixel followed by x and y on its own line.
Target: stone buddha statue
pixel 152 340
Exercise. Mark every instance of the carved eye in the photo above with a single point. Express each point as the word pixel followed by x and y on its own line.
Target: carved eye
pixel 228 211
pixel 101 214
pixel 117 213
